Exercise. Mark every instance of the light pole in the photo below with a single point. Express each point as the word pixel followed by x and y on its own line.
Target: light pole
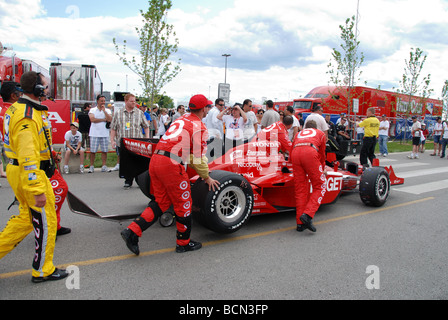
pixel 226 55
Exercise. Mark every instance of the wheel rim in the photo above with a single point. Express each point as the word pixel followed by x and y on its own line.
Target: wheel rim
pixel 231 203
pixel 382 189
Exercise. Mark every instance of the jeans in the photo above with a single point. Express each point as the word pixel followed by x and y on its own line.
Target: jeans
pixel 382 141
pixel 444 142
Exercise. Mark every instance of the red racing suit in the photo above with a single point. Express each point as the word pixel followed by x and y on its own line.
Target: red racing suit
pixel 308 160
pixel 184 142
pixel 60 190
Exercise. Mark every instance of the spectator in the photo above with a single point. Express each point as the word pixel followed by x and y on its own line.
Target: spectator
pixel 180 112
pixel 251 125
pixel 289 111
pixel 147 114
pixel 341 130
pixel 319 119
pixel 99 132
pixel 359 130
pixel 444 139
pixel 270 116
pixel 154 123
pixel 423 138
pixel 260 114
pixel 234 121
pixel 129 122
pixel 214 125
pixel 438 128
pixel 84 125
pixel 383 135
pixel 164 121
pixel 301 121
pixel 416 133
pixel 73 145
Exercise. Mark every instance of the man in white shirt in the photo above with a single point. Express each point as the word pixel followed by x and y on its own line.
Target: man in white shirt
pixel 444 139
pixel 438 128
pixel 73 140
pixel 251 125
pixel 416 134
pixel 99 133
pixel 383 135
pixel 289 111
pixel 213 124
pixel 320 120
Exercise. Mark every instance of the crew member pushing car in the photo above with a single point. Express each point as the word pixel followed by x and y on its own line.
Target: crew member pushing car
pixel 277 131
pixel 184 142
pixel 308 160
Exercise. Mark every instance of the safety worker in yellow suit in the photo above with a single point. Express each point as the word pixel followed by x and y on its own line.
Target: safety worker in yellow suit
pixel 27 140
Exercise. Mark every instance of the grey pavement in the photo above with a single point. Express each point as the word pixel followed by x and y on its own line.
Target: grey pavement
pixel 398 251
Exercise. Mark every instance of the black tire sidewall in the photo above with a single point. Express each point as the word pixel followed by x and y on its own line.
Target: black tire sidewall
pixel 368 186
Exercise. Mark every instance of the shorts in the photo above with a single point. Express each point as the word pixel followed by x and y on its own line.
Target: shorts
pixel 437 139
pixel 415 141
pixel 99 143
pixel 74 147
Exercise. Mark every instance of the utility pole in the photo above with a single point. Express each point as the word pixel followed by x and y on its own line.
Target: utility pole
pixel 226 55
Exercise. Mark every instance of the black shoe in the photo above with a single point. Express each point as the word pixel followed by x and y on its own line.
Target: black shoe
pixel 127 185
pixel 131 240
pixel 63 231
pixel 301 227
pixel 307 222
pixel 192 246
pixel 58 274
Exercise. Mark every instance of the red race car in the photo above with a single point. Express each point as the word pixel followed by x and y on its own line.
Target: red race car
pixel 254 179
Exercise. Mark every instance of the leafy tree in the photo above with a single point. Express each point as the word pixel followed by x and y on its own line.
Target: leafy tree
pixel 411 85
pixel 344 70
pixel 153 66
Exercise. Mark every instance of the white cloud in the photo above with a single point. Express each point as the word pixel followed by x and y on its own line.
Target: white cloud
pixel 280 49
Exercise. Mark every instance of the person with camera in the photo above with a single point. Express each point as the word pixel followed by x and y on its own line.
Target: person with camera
pixel 234 119
pixel 28 146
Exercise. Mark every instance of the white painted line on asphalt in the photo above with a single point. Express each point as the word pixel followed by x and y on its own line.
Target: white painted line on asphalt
pixel 419 173
pixel 409 164
pixel 425 187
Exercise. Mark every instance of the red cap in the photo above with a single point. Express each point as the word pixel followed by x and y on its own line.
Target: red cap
pixel 198 102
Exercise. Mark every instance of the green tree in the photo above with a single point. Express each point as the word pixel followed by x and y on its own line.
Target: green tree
pixel 344 69
pixel 153 66
pixel 411 85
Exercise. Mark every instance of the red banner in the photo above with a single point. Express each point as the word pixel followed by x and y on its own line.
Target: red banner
pixel 60 116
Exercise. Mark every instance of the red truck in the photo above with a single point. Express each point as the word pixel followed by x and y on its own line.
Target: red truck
pixel 394 105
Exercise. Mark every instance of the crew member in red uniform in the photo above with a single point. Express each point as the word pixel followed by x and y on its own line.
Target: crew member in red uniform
pixel 184 142
pixel 277 132
pixel 308 160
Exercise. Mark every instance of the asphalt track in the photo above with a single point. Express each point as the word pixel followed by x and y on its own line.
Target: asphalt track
pixel 402 246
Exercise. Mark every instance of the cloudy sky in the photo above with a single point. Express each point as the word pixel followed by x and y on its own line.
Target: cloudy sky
pixel 279 49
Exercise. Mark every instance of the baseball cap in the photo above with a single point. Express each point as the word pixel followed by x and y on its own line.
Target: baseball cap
pixel 198 102
pixel 75 124
pixel 10 87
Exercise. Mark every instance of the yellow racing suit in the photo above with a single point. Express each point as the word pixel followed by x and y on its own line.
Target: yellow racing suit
pixel 28 149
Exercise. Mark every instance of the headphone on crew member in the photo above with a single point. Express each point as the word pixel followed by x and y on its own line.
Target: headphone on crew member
pixel 38 88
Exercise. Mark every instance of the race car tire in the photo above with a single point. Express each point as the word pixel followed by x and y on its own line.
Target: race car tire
pixel 374 186
pixel 144 182
pixel 167 218
pixel 224 210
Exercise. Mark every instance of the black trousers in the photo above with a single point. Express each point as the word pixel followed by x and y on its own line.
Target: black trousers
pixel 367 150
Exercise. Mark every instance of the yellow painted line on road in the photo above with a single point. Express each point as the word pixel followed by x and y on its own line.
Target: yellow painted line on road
pixel 212 243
